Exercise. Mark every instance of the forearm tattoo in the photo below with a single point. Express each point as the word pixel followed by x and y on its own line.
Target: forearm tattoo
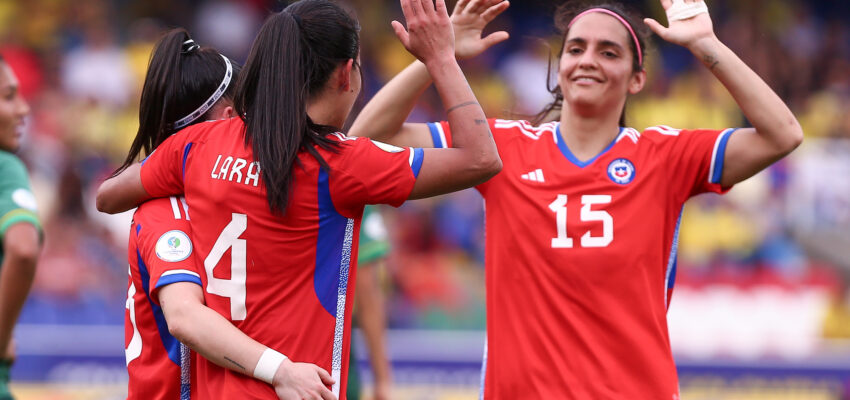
pixel 710 61
pixel 468 103
pixel 235 363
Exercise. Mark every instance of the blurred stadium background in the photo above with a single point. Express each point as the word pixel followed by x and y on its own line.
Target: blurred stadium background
pixel 761 308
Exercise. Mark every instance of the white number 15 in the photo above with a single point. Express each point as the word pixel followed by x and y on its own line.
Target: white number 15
pixel 559 207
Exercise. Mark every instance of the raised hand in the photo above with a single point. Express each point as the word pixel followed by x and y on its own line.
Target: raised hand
pixel 296 381
pixel 469 19
pixel 686 32
pixel 429 34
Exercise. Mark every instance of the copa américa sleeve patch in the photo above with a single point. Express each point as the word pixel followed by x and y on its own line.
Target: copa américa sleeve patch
pixel 173 246
pixel 387 147
pixel 25 199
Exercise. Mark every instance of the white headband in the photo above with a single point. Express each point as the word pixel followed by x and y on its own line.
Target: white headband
pixel 681 10
pixel 228 75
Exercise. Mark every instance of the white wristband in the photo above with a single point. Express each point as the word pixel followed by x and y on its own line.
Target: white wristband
pixel 268 365
pixel 681 10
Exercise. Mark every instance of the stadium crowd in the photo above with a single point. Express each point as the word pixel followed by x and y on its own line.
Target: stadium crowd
pixel 81 67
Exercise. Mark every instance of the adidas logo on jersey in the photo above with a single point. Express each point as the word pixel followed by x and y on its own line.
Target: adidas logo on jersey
pixel 534 176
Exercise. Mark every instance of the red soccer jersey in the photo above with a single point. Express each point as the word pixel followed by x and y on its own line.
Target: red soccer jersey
pixel 287 280
pixel 160 253
pixel 581 259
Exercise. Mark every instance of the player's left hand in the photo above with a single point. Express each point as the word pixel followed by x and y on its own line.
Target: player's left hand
pixel 687 32
pixel 469 19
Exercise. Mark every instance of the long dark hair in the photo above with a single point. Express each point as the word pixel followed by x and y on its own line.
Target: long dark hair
pixel 181 77
pixel 291 60
pixel 563 16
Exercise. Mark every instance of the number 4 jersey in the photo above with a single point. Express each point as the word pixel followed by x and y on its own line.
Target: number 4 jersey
pixel 286 280
pixel 581 259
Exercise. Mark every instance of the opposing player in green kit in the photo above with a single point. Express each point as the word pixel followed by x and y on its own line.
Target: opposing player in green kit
pixel 19 226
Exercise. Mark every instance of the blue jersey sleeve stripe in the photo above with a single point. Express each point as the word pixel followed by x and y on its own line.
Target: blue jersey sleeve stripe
pixel 416 162
pixel 149 156
pixel 436 135
pixel 171 344
pixel 719 156
pixel 174 278
pixel 185 156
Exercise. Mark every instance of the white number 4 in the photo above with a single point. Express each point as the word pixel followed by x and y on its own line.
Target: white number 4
pixel 559 207
pixel 233 288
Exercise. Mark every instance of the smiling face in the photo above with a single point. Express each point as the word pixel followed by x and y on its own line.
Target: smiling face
pixel 596 68
pixel 13 109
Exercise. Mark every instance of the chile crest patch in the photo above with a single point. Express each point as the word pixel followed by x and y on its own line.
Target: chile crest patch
pixel 621 171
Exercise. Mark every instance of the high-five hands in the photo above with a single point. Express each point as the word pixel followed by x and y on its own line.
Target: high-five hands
pixel 469 19
pixel 429 35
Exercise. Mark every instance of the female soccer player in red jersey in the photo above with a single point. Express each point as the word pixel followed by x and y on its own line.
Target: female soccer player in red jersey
pixel 276 195
pixel 582 222
pixel 185 84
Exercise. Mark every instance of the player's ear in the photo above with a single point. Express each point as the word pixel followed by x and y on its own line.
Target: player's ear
pixel 637 82
pixel 343 75
pixel 228 112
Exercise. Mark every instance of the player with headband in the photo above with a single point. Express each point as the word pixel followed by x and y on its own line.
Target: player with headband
pixel 277 195
pixel 582 222
pixel 185 85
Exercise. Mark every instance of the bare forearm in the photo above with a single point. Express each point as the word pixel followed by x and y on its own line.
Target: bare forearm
pixel 763 108
pixel 216 339
pixel 385 113
pixel 16 277
pixel 122 192
pixel 466 118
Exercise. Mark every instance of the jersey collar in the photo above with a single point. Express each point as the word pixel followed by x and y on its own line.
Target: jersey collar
pixel 562 145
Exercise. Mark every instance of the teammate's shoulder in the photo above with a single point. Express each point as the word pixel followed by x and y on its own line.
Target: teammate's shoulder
pixel 203 130
pixel 161 210
pixel 340 137
pixel 663 133
pixel 523 130
pixel 357 143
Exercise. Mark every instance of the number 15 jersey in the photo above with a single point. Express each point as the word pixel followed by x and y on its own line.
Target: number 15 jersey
pixel 581 259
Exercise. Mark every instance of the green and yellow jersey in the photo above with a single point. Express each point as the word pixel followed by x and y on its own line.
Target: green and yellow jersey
pixel 17 203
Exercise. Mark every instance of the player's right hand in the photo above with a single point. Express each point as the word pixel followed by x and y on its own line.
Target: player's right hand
pixel 297 381
pixel 429 35
pixel 469 19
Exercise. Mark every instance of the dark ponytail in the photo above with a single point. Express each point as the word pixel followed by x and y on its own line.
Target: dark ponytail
pixel 291 60
pixel 563 16
pixel 181 77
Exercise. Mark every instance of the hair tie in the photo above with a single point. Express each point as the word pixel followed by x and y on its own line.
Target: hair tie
pixel 189 46
pixel 297 19
pixel 619 18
